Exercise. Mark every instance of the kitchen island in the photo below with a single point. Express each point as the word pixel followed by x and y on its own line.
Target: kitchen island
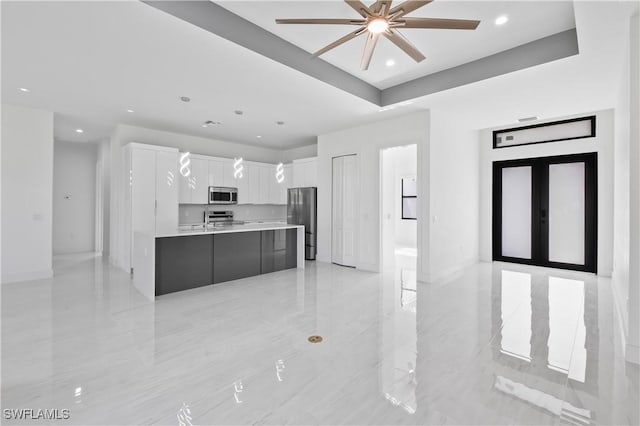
pixel 192 258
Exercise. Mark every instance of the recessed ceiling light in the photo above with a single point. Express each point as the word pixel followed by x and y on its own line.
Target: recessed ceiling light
pixel 24 89
pixel 258 136
pixel 390 62
pixel 211 123
pixel 501 20
pixel 185 99
pixel 238 112
pixel 79 131
pixel 130 110
pixel 532 118
pixel 279 123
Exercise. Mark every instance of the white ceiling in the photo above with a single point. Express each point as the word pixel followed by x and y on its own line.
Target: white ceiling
pixel 528 21
pixel 90 61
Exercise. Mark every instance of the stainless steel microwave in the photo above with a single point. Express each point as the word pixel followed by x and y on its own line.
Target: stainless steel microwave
pixel 223 195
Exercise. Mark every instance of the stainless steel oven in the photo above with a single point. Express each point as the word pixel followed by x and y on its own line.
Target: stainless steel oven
pixel 223 195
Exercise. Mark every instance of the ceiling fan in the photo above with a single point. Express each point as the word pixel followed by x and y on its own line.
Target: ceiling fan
pixel 380 19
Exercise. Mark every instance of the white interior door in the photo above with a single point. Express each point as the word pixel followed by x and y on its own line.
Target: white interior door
pixel 343 210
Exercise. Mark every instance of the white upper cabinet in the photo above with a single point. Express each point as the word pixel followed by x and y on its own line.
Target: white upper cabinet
pixel 286 183
pixel 215 173
pixel 228 178
pixel 264 184
pixel 258 184
pixel 305 172
pixel 194 188
pixel 184 187
pixel 166 191
pixel 241 181
pixel 199 181
pixel 253 188
pixel 274 187
pixel 311 173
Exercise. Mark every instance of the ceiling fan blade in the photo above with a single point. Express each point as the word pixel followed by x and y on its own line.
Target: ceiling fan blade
pixel 404 44
pixel 322 21
pixel 446 24
pixel 359 7
pixel 408 7
pixel 340 41
pixel 369 47
pixel 381 7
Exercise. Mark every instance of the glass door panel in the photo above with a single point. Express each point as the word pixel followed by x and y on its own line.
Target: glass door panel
pixel 516 212
pixel 567 213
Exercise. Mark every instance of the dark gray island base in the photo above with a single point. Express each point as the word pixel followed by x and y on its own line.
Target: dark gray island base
pixel 185 262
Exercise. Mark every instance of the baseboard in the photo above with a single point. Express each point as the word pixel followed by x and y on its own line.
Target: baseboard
pixel 449 272
pixel 369 267
pixel 618 305
pixel 27 276
pixel 607 274
pixel 632 353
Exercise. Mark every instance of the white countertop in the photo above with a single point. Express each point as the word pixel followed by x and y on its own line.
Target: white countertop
pixel 247 227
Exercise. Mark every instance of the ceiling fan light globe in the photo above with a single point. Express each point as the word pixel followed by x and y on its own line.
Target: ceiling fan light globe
pixel 377 26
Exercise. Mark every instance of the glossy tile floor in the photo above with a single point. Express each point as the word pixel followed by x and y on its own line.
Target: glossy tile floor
pixel 497 344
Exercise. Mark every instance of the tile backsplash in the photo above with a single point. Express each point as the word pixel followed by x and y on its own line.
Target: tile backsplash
pixel 194 213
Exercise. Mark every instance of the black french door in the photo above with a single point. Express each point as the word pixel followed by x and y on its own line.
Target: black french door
pixel 545 211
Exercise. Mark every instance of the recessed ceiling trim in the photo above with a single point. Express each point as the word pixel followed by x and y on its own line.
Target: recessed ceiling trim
pixel 537 52
pixel 223 23
pixel 219 21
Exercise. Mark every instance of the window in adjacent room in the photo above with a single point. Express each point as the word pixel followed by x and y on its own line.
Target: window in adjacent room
pixel 409 198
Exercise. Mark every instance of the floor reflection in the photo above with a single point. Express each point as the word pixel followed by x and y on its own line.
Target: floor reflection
pixel 494 344
pixel 398 366
pixel 550 330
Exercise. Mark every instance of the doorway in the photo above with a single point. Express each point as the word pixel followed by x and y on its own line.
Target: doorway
pixel 398 208
pixel 545 211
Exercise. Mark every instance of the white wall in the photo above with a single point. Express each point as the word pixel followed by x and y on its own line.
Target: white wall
pixel 602 144
pixel 447 176
pixel 399 163
pixel 104 158
pixel 297 153
pixel 27 176
pixel 633 306
pixel 366 142
pixel 74 197
pixel 452 218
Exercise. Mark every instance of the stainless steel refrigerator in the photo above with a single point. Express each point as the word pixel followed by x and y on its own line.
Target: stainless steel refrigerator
pixel 301 210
